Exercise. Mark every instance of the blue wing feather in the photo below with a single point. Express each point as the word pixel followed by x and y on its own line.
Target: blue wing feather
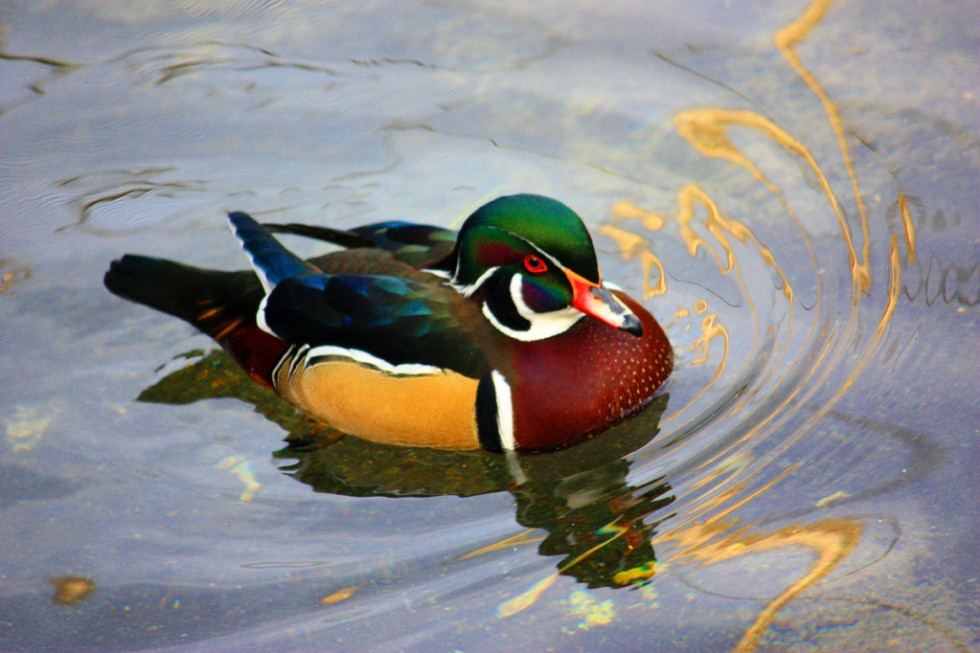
pixel 397 320
pixel 400 320
pixel 272 262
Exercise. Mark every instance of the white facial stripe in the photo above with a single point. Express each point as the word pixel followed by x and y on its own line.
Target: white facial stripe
pixel 466 291
pixel 554 262
pixel 505 411
pixel 442 274
pixel 543 325
pixel 487 313
pixel 404 369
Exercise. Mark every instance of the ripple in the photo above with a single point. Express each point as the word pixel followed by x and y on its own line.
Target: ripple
pixel 796 213
pixel 113 201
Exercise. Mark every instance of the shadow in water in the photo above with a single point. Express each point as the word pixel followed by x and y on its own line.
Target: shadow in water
pixel 579 496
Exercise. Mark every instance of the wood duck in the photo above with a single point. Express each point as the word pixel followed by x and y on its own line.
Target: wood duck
pixel 501 337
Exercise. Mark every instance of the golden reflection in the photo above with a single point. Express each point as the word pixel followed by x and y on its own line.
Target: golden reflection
pixel 678 315
pixel 785 40
pixel 908 226
pixel 707 544
pixel 342 594
pixel 632 246
pixel 709 534
pixel 623 210
pixel 69 590
pixel 711 329
pixel 526 599
pixel 720 227
pixel 836 496
pixel 530 536
pixel 686 206
pixel 706 129
pixel 12 277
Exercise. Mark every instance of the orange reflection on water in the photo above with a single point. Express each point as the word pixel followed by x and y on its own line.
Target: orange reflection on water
pixel 70 590
pixel 908 225
pixel 831 540
pixel 530 536
pixel 632 246
pixel 785 40
pixel 342 594
pixel 711 329
pixel 526 599
pixel 678 315
pixel 706 539
pixel 706 129
pixel 623 210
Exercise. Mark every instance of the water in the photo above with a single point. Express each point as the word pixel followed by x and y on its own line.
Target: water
pixel 791 188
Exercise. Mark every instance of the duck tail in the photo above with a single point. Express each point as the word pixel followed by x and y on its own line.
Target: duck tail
pixel 221 304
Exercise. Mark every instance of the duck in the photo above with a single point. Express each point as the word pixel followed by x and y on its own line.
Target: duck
pixel 500 337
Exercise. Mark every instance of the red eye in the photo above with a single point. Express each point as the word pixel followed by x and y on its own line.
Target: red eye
pixel 534 264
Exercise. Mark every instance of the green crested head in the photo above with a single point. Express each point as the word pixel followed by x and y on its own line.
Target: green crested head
pixel 500 233
pixel 530 264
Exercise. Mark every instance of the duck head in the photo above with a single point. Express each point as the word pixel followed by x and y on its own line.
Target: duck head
pixel 529 261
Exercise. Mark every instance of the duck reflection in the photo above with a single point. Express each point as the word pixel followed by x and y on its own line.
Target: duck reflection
pixel 579 496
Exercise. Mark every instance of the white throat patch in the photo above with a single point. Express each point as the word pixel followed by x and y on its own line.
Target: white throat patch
pixel 543 325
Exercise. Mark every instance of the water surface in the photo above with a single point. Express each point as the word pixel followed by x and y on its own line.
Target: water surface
pixel 791 188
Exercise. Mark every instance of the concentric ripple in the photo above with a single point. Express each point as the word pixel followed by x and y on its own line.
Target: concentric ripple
pixel 790 189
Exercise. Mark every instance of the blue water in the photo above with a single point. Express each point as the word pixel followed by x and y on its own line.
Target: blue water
pixel 803 175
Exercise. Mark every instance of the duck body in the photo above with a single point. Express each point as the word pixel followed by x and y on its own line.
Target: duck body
pixel 500 337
